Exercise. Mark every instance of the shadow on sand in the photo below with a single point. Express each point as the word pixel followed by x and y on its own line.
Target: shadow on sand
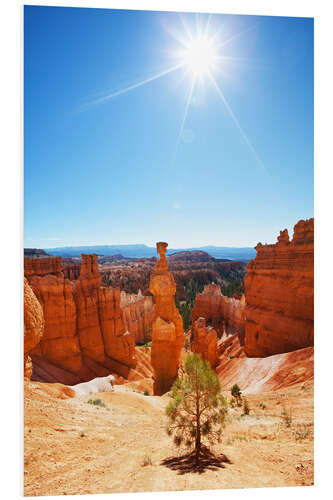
pixel 186 463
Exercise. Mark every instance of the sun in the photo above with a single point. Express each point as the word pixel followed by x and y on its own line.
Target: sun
pixel 199 56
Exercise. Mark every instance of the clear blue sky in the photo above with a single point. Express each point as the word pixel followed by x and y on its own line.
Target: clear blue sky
pixel 115 171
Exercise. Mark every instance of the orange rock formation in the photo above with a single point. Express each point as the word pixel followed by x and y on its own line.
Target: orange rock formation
pixel 138 315
pixel 226 315
pixel 60 342
pixel 167 330
pixel 205 341
pixel 33 325
pixel 279 294
pixel 84 331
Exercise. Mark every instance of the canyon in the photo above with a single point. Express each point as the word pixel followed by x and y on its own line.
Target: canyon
pixel 193 266
pixel 76 329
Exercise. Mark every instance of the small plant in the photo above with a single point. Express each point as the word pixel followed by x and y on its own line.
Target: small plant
pixel 232 402
pixel 301 432
pixel 146 461
pixel 262 406
pixel 82 434
pixel 286 416
pixel 97 402
pixel 146 393
pixel 236 393
pixel 246 407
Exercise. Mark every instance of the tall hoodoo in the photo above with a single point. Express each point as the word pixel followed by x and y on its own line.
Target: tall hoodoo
pixel 279 294
pixel 167 330
pixel 86 295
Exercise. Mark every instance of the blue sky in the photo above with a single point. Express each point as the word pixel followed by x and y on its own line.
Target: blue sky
pixel 123 170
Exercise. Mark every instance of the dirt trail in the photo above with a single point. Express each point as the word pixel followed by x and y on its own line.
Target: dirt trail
pixel 73 447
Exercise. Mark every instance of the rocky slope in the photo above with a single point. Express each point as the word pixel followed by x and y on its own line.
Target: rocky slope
pixel 279 294
pixel 67 449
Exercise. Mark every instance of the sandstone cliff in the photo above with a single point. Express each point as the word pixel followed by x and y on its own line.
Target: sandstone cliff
pixel 60 342
pixel 138 315
pixel 33 326
pixel 167 329
pixel 279 294
pixel 84 331
pixel 226 315
pixel 205 341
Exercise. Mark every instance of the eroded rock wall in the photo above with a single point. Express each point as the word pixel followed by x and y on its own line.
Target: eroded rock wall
pixel 138 315
pixel 205 341
pixel 84 330
pixel 226 315
pixel 60 342
pixel 167 329
pixel 279 294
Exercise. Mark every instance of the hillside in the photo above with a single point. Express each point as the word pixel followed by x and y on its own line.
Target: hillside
pixel 72 447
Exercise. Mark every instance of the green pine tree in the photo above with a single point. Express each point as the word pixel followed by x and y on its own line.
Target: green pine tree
pixel 197 409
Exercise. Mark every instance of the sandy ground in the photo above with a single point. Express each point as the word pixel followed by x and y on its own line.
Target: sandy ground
pixel 73 447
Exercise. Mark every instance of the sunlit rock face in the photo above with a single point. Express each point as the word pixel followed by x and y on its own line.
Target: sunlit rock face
pixel 226 315
pixel 167 328
pixel 205 341
pixel 279 294
pixel 33 325
pixel 60 342
pixel 138 315
pixel 83 321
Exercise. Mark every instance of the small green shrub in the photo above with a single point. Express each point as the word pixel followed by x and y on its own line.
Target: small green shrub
pixel 246 407
pixel 236 393
pixel 286 416
pixel 302 432
pixel 232 402
pixel 146 393
pixel 97 402
pixel 262 406
pixel 82 434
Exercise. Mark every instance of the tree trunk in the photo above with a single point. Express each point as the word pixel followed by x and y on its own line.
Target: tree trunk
pixel 197 445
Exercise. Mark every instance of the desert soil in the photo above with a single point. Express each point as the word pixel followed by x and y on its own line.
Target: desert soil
pixel 73 447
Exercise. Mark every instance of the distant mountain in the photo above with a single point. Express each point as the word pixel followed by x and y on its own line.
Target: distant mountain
pixel 35 253
pixel 243 254
pixel 190 256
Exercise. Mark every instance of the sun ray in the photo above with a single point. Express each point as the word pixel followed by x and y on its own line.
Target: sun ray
pixel 186 28
pixel 187 105
pixel 134 86
pixel 231 113
pixel 237 35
